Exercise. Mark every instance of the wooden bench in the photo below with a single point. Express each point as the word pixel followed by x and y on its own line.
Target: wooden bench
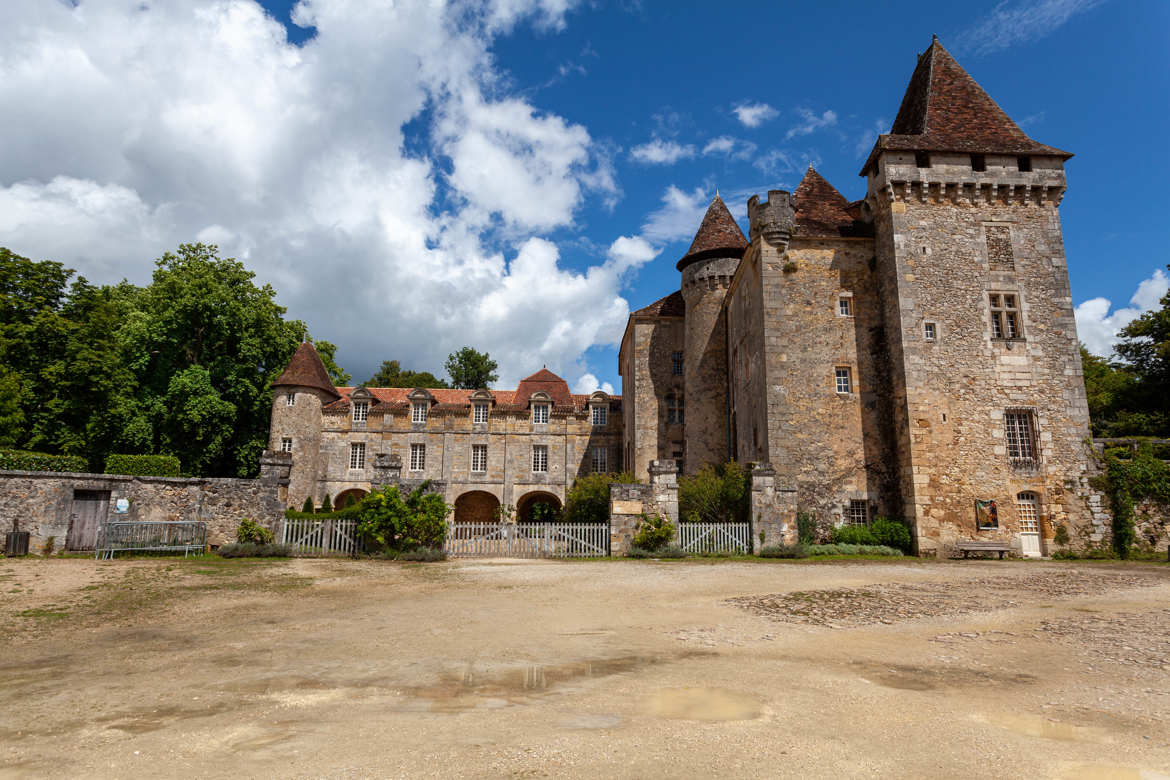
pixel 970 546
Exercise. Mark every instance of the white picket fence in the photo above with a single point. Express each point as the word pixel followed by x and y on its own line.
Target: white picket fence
pixel 328 536
pixel 530 540
pixel 714 537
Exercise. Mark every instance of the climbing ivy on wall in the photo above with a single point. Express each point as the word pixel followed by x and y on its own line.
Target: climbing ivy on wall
pixel 1131 477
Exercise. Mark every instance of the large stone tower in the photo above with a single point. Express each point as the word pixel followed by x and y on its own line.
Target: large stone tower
pixel 299 394
pixel 707 269
pixel 989 400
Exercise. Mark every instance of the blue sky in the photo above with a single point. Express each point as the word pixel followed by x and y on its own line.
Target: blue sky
pixel 518 174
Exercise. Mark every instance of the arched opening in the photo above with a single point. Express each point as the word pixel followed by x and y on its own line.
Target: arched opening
pixel 477 506
pixel 348 498
pixel 538 507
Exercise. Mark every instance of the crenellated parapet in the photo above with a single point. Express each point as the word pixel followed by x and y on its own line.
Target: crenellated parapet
pixel 773 219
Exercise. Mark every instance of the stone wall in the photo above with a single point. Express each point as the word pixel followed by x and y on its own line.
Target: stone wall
pixel 628 503
pixel 704 285
pixel 773 510
pixel 647 380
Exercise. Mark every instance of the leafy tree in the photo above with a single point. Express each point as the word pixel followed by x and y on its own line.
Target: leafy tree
pixel 1111 388
pixel 391 374
pixel 588 500
pixel 716 494
pixel 471 370
pixel 338 375
pixel 1145 348
pixel 393 523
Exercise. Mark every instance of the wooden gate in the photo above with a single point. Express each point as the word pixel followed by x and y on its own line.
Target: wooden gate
pixel 527 540
pixel 714 537
pixel 327 536
pixel 86 517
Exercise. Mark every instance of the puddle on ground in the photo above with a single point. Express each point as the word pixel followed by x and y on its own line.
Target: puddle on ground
pixel 921 678
pixel 1039 726
pixel 1109 772
pixel 156 718
pixel 706 704
pixel 591 722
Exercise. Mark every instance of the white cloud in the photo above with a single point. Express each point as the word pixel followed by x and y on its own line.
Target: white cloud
pixel 735 148
pixel 1010 23
pixel 588 384
pixel 810 122
pixel 1097 327
pixel 866 138
pixel 678 217
pixel 133 127
pixel 659 152
pixel 754 114
pixel 630 252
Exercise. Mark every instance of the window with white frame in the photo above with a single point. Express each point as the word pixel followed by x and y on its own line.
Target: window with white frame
pixel 674 409
pixel 857 512
pixel 600 460
pixel 845 306
pixel 600 415
pixel 291 399
pixel 929 331
pixel 357 455
pixel 479 457
pixel 286 444
pixel 844 377
pixel 418 457
pixel 676 363
pixel 1005 316
pixel 540 457
pixel 540 413
pixel 418 412
pixel 1019 432
pixel 361 411
pixel 479 413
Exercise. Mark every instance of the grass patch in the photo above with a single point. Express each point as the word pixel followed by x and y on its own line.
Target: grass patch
pixel 51 613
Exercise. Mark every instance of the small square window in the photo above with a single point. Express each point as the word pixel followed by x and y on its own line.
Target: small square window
pixel 361 411
pixel 479 413
pixel 540 414
pixel 290 399
pixel 600 415
pixel 844 377
pixel 540 458
pixel 479 457
pixel 286 445
pixel 922 159
pixel 857 512
pixel 929 331
pixel 1024 164
pixel 418 412
pixel 845 306
pixel 357 455
pixel 978 162
pixel 676 363
pixel 418 457
pixel 600 460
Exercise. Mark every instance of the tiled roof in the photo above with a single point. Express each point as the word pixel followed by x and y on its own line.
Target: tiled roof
pixel 945 110
pixel 390 399
pixel 306 370
pixel 823 211
pixel 672 305
pixel 718 235
pixel 548 382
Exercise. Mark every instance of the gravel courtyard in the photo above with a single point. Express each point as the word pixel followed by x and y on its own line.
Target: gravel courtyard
pixel 310 668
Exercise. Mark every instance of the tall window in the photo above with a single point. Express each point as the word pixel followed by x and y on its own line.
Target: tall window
pixel 1026 505
pixel 357 455
pixel 291 399
pixel 1005 316
pixel 676 363
pixel 540 413
pixel 479 457
pixel 361 411
pixel 418 457
pixel 600 460
pixel 857 513
pixel 844 376
pixel 479 413
pixel 418 412
pixel 674 409
pixel 600 415
pixel 540 457
pixel 1020 435
pixel 845 306
pixel 286 445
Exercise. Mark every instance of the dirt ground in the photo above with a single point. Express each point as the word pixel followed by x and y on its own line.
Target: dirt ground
pixel 309 668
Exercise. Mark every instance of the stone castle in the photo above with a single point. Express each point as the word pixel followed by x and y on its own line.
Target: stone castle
pixel 911 354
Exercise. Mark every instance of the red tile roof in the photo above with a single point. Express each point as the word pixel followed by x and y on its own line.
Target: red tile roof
pixel 718 235
pixel 823 211
pixel 945 110
pixel 672 305
pixel 544 381
pixel 306 370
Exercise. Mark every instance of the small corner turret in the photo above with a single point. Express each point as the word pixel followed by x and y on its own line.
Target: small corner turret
pixel 773 220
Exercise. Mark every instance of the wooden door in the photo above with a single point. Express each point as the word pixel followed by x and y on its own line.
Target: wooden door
pixel 1026 503
pixel 89 512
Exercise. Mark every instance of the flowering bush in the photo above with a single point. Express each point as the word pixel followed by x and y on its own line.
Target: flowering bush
pixel 390 522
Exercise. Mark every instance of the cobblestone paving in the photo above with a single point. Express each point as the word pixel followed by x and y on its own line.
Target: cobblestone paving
pixel 1132 639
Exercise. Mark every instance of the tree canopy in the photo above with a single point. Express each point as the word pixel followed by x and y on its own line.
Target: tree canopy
pixel 471 370
pixel 392 374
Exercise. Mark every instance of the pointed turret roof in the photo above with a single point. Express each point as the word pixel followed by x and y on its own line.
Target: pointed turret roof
pixel 718 235
pixel 945 110
pixel 306 370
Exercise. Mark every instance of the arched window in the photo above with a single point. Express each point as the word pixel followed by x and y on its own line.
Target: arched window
pixel 674 409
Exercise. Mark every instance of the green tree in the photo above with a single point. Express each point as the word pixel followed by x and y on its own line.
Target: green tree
pixel 1109 387
pixel 716 494
pixel 338 375
pixel 392 522
pixel 1145 349
pixel 392 374
pixel 471 370
pixel 588 500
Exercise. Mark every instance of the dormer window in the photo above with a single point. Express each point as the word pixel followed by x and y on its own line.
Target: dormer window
pixel 361 411
pixel 539 414
pixel 479 413
pixel 600 415
pixel 418 412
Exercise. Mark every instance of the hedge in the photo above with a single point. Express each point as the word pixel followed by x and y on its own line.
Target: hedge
pixel 20 460
pixel 143 465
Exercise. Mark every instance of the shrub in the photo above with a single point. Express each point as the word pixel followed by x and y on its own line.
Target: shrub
pixel 784 551
pixel 717 494
pixel 588 499
pixel 853 534
pixel 307 507
pixel 326 504
pixel 1060 535
pixel 143 465
pixel 389 522
pixel 543 512
pixel 852 549
pixel 653 533
pixel 423 554
pixel 49 545
pixel 806 527
pixel 892 533
pixel 669 551
pixel 251 531
pixel 253 550
pixel 20 460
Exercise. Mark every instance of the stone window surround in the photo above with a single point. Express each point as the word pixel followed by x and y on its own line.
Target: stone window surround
pixel 540 458
pixel 418 412
pixel 845 304
pixel 599 459
pixel 361 411
pixel 541 407
pixel 418 457
pixel 357 455
pixel 855 511
pixel 1005 317
pixel 1021 437
pixel 843 378
pixel 286 444
pixel 478 458
pixel 480 412
pixel 599 414
pixel 930 330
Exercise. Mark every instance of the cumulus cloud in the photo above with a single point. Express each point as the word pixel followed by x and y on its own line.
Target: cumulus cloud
pixel 132 127
pixel 754 114
pixel 1098 327
pixel 679 215
pixel 729 146
pixel 659 152
pixel 810 122
pixel 588 384
pixel 1010 24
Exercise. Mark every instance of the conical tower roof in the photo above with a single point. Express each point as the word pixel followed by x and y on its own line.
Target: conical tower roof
pixel 945 110
pixel 718 235
pixel 306 370
pixel 820 209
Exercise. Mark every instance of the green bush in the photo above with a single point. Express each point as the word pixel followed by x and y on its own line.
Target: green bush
pixel 717 494
pixel 806 527
pixel 21 460
pixel 389 522
pixel 653 533
pixel 49 546
pixel 543 512
pixel 326 504
pixel 588 499
pixel 293 514
pixel 423 555
pixel 852 549
pixel 251 531
pixel 892 533
pixel 784 551
pixel 853 534
pixel 669 551
pixel 1128 480
pixel 253 550
pixel 143 465
pixel 307 507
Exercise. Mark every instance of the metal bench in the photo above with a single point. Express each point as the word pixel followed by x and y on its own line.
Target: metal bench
pixel 970 546
pixel 126 536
